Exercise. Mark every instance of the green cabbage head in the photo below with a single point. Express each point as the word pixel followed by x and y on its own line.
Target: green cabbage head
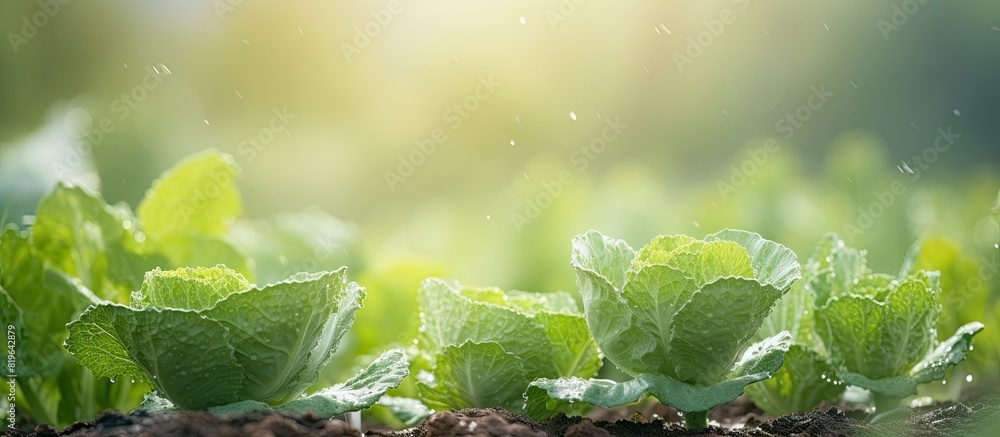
pixel 678 315
pixel 206 338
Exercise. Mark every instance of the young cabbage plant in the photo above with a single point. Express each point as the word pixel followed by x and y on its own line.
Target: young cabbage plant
pixel 36 302
pixel 187 213
pixel 206 338
pixel 966 280
pixel 880 332
pixel 678 316
pixel 176 224
pixel 79 251
pixel 485 346
pixel 807 378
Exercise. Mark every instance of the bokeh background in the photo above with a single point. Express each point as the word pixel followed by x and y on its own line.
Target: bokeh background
pixel 471 139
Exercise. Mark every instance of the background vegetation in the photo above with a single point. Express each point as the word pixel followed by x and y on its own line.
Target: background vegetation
pixel 633 119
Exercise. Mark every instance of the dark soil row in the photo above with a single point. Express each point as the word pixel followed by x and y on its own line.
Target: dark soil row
pixel 975 420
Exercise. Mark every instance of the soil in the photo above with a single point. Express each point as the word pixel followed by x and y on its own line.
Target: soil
pixel 498 422
pixel 140 423
pixel 740 419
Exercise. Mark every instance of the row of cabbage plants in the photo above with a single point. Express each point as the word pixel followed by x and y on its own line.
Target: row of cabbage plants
pixel 110 308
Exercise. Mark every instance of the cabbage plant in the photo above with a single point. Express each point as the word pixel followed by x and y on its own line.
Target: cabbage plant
pixel 79 250
pixel 483 346
pixel 206 338
pixel 808 377
pixel 879 330
pixel 678 316
pixel 966 281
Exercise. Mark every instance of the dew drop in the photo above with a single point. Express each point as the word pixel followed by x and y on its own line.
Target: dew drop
pixel 572 115
pixel 957 113
pixel 968 378
pixel 523 20
pixel 253 357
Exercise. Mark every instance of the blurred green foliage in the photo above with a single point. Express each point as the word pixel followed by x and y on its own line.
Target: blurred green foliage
pixel 110 94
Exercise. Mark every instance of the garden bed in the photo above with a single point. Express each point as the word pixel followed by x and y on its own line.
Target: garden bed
pixel 957 419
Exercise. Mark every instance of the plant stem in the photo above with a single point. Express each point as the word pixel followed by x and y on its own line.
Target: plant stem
pixel 884 403
pixel 696 419
pixel 36 407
